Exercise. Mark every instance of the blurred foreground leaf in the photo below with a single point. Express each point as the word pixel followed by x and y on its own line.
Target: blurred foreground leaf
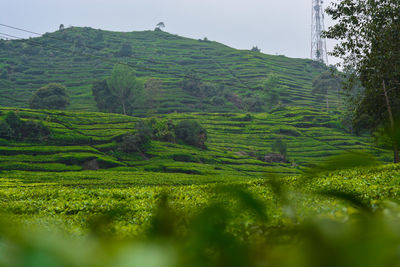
pixel 343 161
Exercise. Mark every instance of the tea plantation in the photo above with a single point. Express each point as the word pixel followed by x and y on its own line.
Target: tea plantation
pixel 286 186
pixel 236 143
pixel 76 57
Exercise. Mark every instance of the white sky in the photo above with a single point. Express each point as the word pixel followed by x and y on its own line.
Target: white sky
pixel 275 26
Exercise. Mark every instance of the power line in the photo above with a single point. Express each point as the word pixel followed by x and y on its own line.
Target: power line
pixel 93 48
pixel 218 64
pixel 6 38
pixel 32 42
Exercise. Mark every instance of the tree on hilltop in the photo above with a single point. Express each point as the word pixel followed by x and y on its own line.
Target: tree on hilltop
pixel 159 26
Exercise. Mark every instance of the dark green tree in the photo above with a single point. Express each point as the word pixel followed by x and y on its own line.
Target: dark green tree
pixel 13 128
pixel 191 132
pixel 137 141
pixel 369 35
pixel 125 87
pixel 125 51
pixel 105 100
pixel 159 26
pixel 279 146
pixel 51 96
pixel 196 87
pixel 120 93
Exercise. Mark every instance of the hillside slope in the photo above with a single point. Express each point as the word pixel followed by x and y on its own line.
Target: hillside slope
pixel 76 57
pixel 235 146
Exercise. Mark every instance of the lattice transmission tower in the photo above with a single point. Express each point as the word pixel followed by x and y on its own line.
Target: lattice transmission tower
pixel 318 44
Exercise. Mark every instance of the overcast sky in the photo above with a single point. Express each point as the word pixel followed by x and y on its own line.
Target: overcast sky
pixel 276 26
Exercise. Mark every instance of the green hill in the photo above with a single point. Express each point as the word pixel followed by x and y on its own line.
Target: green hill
pixel 76 57
pixel 236 143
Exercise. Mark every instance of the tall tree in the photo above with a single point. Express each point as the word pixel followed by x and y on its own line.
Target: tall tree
pixel 120 92
pixel 369 35
pixel 124 86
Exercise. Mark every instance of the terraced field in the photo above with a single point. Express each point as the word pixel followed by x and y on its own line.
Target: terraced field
pixel 235 146
pixel 76 57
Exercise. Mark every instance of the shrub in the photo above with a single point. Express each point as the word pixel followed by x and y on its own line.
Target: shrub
pixel 218 101
pixel 185 157
pixel 51 96
pixel 125 51
pixel 14 123
pixel 137 142
pixel 34 130
pixel 13 128
pixel 190 132
pixel 5 130
pixel 162 130
pixel 279 146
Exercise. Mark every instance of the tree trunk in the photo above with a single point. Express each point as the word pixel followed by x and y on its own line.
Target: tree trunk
pixel 392 125
pixel 123 106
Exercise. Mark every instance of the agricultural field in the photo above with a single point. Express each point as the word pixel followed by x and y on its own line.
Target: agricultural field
pixel 283 185
pixel 172 197
pixel 236 143
pixel 100 218
pixel 76 57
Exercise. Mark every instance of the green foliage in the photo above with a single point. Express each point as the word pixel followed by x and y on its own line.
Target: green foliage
pixel 238 70
pixel 255 49
pixel 125 51
pixel 373 57
pixel 196 87
pixel 51 96
pixel 236 142
pixel 162 129
pixel 105 101
pixel 279 146
pixel 341 219
pixel 191 132
pixel 343 161
pixel 13 128
pixel 120 93
pixel 160 26
pixel 138 141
